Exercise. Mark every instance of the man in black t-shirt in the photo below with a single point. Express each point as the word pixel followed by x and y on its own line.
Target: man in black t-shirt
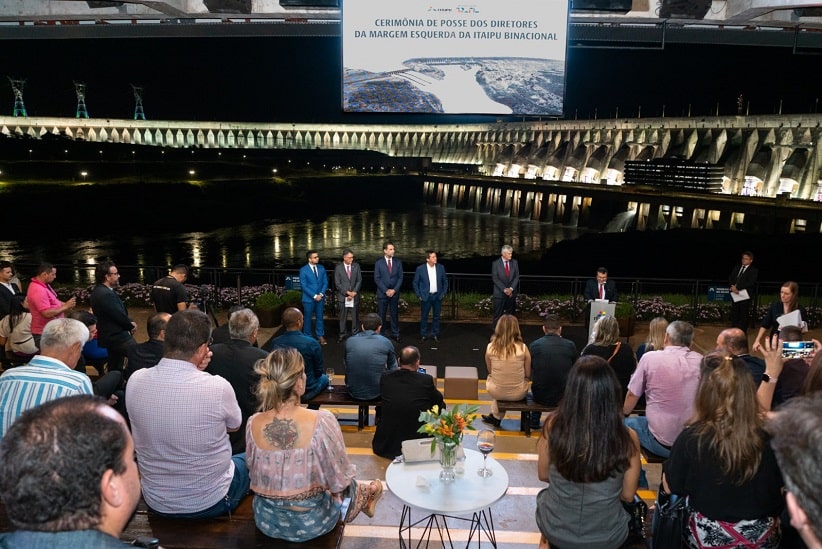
pixel 168 294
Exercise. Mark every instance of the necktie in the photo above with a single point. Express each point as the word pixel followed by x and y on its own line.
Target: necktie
pixel 389 265
pixel 507 269
pixel 348 270
pixel 314 268
pixel 601 291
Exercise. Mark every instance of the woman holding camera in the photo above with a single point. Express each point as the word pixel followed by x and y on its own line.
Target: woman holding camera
pixel 299 468
pixel 723 462
pixel 591 461
pixel 788 303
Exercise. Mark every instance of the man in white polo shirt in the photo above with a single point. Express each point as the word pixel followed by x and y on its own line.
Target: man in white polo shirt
pixel 180 419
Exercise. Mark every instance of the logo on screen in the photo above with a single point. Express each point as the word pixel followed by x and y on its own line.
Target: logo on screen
pixel 468 10
pixel 438 10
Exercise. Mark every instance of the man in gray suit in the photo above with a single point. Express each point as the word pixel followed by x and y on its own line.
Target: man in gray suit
pixel 505 275
pixel 347 280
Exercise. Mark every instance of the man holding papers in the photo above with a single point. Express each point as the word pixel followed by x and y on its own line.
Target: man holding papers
pixel 743 281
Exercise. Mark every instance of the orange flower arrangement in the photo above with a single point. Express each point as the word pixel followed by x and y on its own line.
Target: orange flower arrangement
pixel 448 426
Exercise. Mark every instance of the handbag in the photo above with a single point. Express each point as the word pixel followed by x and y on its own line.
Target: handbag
pixel 637 511
pixel 671 514
pixel 419 449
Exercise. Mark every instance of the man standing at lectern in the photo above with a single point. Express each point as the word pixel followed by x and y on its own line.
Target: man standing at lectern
pixel 598 288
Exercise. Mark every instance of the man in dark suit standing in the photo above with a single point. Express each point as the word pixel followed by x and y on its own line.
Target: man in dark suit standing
pixel 600 287
pixel 388 278
pixel 405 393
pixel 742 277
pixel 505 276
pixel 8 287
pixel 114 327
pixel 314 283
pixel 430 286
pixel 348 281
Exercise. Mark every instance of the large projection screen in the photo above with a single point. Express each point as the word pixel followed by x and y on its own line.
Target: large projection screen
pixel 454 57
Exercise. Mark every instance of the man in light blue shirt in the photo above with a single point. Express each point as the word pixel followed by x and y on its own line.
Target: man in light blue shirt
pixel 47 376
pixel 367 356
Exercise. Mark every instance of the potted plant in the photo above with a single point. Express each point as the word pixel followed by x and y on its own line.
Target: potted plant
pixel 292 298
pixel 269 308
pixel 626 317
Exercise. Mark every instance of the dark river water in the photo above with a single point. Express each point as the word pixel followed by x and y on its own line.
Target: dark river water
pixel 277 244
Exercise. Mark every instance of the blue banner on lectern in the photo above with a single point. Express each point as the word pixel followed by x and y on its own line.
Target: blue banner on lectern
pixel 292 282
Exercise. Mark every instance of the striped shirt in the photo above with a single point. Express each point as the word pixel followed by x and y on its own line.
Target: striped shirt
pixel 42 379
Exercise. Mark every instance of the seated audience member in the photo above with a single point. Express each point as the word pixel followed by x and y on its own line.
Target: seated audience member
pixel 148 353
pixel 367 356
pixel 234 361
pixel 48 375
pixel 69 478
pixel 723 462
pixel 107 385
pixel 221 333
pixel 668 379
pixel 508 362
pixel 552 357
pixel 180 419
pixel 315 379
pixel 617 353
pixel 15 329
pixel 590 460
pixel 656 337
pixel 734 341
pixel 768 392
pixel 297 459
pixel 405 393
pixel 796 442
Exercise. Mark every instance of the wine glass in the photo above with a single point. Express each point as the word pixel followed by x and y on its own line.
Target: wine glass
pixel 485 444
pixel 330 373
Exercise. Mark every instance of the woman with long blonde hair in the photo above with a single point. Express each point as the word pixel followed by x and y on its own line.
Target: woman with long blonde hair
pixel 723 462
pixel 607 344
pixel 509 366
pixel 656 337
pixel 297 461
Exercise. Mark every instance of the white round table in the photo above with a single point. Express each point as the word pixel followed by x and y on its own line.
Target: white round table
pixel 418 485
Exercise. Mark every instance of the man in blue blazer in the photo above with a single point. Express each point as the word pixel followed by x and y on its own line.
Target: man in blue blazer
pixel 505 276
pixel 314 283
pixel 388 278
pixel 430 285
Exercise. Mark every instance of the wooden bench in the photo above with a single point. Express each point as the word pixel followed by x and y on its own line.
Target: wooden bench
pixel 526 406
pixel 340 397
pixel 237 531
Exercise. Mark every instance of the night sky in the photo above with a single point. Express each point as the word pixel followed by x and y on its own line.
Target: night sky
pixel 298 80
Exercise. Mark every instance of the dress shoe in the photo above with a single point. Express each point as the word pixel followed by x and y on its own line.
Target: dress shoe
pixel 436 339
pixel 322 340
pixel 423 338
pixel 396 338
pixel 340 339
pixel 491 420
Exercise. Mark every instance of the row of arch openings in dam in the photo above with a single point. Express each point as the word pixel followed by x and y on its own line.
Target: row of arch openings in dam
pixel 614 212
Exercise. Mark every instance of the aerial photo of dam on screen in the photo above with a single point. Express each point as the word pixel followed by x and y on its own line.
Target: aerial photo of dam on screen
pixel 459 85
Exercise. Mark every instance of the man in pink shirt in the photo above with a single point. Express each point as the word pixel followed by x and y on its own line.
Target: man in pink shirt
pixel 668 379
pixel 44 304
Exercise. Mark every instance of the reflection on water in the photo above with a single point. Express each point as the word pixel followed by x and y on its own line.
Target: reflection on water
pixel 453 234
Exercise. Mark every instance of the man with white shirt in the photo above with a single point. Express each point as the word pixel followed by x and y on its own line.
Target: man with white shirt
pixel 348 281
pixel 430 285
pixel 49 375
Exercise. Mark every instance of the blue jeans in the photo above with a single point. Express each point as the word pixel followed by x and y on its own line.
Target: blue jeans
pixel 646 438
pixel 240 485
pixel 314 308
pixel 430 304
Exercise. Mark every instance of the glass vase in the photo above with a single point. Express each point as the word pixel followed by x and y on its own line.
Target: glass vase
pixel 448 460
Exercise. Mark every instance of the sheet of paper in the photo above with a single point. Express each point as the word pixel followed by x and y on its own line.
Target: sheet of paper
pixel 791 319
pixel 349 302
pixel 741 295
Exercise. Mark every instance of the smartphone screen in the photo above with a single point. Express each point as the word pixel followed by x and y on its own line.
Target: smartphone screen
pixel 797 349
